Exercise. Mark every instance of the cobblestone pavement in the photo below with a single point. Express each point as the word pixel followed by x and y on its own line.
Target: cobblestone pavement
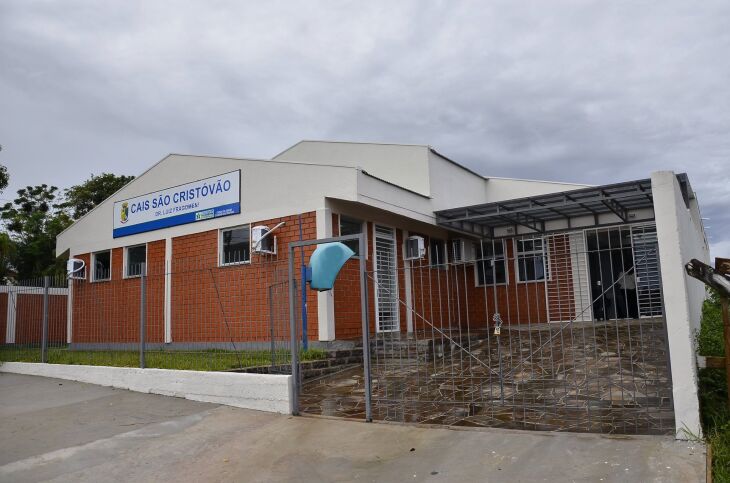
pixel 605 377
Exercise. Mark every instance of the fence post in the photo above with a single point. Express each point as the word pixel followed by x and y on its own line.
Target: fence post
pixel 142 314
pixel 44 337
pixel 294 339
pixel 271 326
pixel 365 330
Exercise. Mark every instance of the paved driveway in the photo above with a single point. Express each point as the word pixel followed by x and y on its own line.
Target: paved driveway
pixel 66 431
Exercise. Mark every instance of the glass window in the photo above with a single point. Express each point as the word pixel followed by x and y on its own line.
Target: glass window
pixel 102 265
pixel 531 259
pixel 235 246
pixel 136 260
pixel 491 265
pixel 351 226
pixel 437 253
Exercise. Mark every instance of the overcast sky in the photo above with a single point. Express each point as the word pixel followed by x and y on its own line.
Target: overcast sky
pixel 592 92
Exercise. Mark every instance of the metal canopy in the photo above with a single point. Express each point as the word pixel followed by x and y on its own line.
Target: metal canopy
pixel 534 211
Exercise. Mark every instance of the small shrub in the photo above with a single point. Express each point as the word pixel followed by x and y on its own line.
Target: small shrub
pixel 710 338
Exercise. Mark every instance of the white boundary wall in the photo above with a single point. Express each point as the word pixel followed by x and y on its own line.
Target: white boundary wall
pixel 264 392
pixel 681 238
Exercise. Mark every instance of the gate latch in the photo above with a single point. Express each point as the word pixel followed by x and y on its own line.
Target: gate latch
pixel 497 323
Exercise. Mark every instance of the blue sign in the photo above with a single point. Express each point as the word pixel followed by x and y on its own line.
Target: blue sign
pixel 196 201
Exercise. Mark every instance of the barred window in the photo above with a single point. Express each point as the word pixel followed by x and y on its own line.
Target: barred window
pixel 136 260
pixel 491 265
pixel 101 263
pixel 531 260
pixel 235 245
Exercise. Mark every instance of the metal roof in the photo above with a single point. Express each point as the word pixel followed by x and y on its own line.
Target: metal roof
pixel 534 211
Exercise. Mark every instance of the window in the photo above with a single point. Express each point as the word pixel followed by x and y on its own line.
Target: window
pixel 101 263
pixel 531 260
pixel 136 260
pixel 235 245
pixel 491 265
pixel 351 226
pixel 437 253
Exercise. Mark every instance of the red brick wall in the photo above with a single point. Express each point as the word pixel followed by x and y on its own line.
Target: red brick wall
pixel 29 318
pixel 209 303
pixel 217 304
pixel 220 304
pixel 517 302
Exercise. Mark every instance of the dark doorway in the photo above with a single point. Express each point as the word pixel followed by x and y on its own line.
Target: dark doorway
pixel 612 273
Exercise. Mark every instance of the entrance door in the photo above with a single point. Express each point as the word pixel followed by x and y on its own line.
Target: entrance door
pixel 612 273
pixel 386 280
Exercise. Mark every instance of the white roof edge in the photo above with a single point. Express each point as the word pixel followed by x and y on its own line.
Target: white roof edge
pixel 427 146
pixel 539 181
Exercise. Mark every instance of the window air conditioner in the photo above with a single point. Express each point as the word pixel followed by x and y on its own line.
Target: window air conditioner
pixel 261 241
pixel 415 248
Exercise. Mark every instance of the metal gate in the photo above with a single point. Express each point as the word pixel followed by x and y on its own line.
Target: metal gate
pixel 519 333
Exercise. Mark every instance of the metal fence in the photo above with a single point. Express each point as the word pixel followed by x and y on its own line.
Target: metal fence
pixel 560 332
pixel 233 317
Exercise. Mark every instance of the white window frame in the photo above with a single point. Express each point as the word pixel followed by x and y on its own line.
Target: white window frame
pixel 220 246
pixel 363 230
pixel 93 266
pixel 503 258
pixel 542 252
pixel 125 257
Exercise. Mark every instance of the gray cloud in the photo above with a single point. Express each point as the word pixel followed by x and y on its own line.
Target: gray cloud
pixel 575 91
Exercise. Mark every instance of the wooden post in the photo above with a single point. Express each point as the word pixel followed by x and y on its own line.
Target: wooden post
pixel 722 266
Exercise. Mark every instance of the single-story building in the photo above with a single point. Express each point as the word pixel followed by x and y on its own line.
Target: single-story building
pixel 522 251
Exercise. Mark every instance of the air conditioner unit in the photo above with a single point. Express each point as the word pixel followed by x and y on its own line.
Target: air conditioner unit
pixel 76 269
pixel 462 251
pixel 415 248
pixel 261 241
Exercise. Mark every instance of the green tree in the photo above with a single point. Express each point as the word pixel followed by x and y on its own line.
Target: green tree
pixel 82 198
pixel 7 257
pixel 4 178
pixel 33 221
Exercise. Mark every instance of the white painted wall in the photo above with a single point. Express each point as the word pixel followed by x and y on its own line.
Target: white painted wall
pixel 680 240
pixel 499 189
pixel 264 392
pixel 403 165
pixel 453 186
pixel 269 189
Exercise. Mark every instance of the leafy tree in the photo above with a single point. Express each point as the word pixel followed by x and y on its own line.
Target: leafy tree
pixel 4 178
pixel 7 256
pixel 83 197
pixel 33 222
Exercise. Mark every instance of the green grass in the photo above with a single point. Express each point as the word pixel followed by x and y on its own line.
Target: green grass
pixel 713 390
pixel 202 360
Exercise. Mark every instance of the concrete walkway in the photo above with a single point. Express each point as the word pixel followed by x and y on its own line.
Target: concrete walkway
pixel 65 431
